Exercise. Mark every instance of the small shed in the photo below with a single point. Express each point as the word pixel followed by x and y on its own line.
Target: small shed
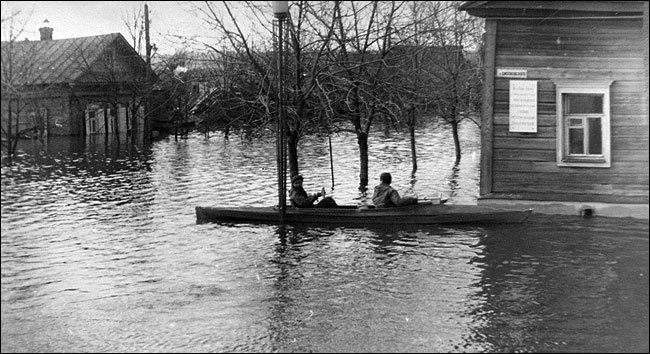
pixel 565 106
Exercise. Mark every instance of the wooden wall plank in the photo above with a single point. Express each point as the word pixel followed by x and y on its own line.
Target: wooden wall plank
pixel 569 197
pixel 608 50
pixel 515 167
pixel 549 120
pixel 576 188
pixel 547 132
pixel 509 59
pixel 524 155
pixel 543 119
pixel 587 26
pixel 529 143
pixel 621 155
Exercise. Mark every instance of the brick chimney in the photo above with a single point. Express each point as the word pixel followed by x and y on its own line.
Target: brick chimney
pixel 46 31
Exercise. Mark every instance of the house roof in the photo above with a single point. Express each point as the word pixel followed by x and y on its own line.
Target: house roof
pixel 48 62
pixel 550 9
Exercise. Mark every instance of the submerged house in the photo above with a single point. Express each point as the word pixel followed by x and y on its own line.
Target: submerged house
pixel 75 86
pixel 565 106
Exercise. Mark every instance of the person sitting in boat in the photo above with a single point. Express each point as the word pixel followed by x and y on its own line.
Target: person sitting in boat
pixel 299 198
pixel 385 196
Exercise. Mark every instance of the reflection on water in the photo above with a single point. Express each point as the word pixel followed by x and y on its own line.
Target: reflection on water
pixel 452 180
pixel 101 252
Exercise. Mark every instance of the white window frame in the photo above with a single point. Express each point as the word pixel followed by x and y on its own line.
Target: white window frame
pixel 582 87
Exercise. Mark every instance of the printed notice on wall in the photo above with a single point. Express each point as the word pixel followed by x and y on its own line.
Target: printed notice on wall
pixel 523 106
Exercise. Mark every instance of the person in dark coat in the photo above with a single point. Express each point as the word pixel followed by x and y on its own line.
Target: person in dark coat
pixel 385 196
pixel 299 198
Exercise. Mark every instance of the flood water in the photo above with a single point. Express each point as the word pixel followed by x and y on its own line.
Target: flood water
pixel 101 252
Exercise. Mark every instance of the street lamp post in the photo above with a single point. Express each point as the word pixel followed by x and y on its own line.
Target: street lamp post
pixel 280 11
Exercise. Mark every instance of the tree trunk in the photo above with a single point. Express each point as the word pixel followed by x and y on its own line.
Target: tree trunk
pixel 362 139
pixel 454 129
pixel 133 119
pixel 412 133
pixel 105 106
pixel 116 122
pixel 12 139
pixel 292 152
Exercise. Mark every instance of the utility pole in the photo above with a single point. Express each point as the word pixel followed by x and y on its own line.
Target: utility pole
pixel 147 120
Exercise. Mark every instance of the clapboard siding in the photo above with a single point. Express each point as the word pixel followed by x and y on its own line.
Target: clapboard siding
pixel 570 62
pixel 558 8
pixel 551 27
pixel 542 108
pixel 618 168
pixel 547 131
pixel 581 49
pixel 584 188
pixel 619 132
pixel 543 120
pixel 632 120
pixel 521 154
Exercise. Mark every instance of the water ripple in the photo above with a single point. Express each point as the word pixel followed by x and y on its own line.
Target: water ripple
pixel 101 252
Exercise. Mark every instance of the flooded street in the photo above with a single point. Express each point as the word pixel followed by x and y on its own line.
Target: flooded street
pixel 101 253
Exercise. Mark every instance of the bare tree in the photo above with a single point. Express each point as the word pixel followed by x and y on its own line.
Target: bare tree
pixel 304 55
pixel 347 63
pixel 137 23
pixel 21 85
pixel 358 84
pixel 134 22
pixel 410 89
pixel 454 78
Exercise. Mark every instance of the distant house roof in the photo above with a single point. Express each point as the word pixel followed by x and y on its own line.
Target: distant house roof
pixel 551 9
pixel 47 62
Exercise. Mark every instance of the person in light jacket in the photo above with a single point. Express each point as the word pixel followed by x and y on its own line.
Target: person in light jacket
pixel 385 196
pixel 299 198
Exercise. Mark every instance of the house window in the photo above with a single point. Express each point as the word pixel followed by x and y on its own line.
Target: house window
pixel 583 131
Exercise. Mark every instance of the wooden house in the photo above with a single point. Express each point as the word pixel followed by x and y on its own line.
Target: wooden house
pixel 565 106
pixel 75 86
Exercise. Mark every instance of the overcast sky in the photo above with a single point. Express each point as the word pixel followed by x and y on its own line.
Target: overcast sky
pixel 88 18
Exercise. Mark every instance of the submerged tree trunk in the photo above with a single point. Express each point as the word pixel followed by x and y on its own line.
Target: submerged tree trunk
pixel 105 111
pixel 116 123
pixel 11 141
pixel 454 129
pixel 362 139
pixel 105 106
pixel 292 153
pixel 414 158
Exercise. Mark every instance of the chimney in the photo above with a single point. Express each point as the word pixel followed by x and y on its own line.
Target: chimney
pixel 46 31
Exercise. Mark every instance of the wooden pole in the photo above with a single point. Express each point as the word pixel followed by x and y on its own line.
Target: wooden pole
pixel 331 161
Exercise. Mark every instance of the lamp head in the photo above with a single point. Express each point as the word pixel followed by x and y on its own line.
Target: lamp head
pixel 280 8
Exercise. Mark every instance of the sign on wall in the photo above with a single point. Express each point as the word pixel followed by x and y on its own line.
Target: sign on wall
pixel 512 73
pixel 523 106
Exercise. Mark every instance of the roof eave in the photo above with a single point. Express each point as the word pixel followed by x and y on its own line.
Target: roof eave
pixel 554 9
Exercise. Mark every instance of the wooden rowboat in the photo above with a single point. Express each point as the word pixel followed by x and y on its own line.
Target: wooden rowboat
pixel 423 213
